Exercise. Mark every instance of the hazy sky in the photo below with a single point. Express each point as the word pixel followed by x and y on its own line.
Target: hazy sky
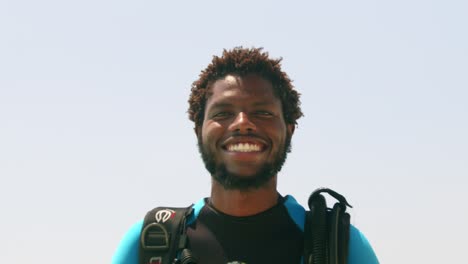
pixel 94 130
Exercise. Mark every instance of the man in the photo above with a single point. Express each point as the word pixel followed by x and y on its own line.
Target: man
pixel 245 110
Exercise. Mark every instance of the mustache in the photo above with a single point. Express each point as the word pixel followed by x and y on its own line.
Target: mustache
pixel 249 133
pixel 237 134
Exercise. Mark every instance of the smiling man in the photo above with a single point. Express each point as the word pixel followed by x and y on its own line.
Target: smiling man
pixel 244 137
pixel 245 109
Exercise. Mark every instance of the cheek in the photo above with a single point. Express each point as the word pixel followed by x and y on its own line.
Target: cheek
pixel 281 132
pixel 211 132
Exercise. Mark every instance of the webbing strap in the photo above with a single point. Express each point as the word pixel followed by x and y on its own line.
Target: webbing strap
pixel 163 235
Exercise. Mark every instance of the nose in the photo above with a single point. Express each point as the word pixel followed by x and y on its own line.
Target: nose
pixel 242 124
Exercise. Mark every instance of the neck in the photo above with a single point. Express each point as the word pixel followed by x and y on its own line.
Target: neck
pixel 245 202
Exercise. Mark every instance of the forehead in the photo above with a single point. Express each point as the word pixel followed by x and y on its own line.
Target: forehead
pixel 251 87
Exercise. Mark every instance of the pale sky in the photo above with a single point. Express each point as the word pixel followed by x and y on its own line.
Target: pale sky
pixel 94 130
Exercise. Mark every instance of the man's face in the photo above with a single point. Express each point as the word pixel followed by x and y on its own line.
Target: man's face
pixel 244 138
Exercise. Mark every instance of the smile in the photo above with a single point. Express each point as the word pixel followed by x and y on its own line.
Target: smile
pixel 244 147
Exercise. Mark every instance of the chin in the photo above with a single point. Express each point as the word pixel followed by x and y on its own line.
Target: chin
pixel 245 181
pixel 244 174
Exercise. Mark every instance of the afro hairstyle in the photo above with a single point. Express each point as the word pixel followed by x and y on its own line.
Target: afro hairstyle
pixel 242 62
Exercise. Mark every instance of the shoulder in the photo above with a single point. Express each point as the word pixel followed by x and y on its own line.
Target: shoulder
pixel 360 250
pixel 128 248
pixel 127 251
pixel 295 211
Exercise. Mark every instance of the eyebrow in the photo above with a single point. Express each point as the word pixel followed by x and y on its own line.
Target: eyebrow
pixel 263 103
pixel 221 105
pixel 227 104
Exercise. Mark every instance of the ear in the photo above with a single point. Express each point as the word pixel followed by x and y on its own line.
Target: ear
pixel 291 128
pixel 197 131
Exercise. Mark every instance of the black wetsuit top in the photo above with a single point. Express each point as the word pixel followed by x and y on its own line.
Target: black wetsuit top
pixel 268 237
pixel 274 236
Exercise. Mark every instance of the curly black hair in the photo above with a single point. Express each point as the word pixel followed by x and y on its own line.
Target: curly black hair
pixel 241 62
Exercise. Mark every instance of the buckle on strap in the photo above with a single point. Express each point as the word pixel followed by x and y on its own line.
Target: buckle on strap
pixel 155 237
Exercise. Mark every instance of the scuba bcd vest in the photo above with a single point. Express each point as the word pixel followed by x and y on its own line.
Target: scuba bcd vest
pixel 326 233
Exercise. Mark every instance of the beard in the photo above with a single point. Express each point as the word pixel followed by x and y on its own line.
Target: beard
pixel 232 181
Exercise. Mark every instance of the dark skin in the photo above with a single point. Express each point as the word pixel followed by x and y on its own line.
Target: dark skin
pixel 244 127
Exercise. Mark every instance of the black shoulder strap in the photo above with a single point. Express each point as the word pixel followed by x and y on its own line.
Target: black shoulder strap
pixel 163 237
pixel 326 231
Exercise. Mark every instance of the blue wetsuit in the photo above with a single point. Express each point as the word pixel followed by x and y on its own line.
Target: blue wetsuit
pixel 273 236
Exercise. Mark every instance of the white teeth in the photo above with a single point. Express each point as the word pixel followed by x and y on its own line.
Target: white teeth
pixel 244 147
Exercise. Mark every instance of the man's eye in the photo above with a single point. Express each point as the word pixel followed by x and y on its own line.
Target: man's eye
pixel 263 113
pixel 221 114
